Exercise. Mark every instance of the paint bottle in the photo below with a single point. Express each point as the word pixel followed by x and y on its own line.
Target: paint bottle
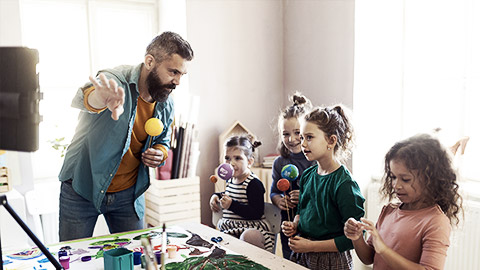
pixel 65 262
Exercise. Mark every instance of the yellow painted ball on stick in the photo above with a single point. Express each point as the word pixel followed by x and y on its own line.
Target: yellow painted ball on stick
pixel 153 126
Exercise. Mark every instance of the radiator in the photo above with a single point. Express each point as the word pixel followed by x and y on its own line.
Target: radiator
pixel 464 250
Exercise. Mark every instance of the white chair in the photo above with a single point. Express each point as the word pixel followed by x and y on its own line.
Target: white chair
pixel 272 214
pixel 43 205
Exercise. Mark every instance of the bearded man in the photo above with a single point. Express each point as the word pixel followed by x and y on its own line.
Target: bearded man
pixel 106 165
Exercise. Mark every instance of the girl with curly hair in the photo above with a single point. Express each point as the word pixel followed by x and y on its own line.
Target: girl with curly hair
pixel 413 233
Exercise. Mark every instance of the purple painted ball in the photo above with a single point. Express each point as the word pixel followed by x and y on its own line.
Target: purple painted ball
pixel 225 171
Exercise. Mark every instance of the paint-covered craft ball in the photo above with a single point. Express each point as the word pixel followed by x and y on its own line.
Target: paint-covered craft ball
pixel 283 184
pixel 224 171
pixel 153 126
pixel 290 172
pixel 213 179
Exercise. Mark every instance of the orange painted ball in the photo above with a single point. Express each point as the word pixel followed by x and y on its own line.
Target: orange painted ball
pixel 213 179
pixel 283 184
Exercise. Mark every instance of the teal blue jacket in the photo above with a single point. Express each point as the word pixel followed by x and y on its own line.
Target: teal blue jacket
pixel 99 143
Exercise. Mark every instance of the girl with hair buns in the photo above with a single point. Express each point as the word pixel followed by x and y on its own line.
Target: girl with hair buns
pixel 290 153
pixel 328 194
pixel 243 200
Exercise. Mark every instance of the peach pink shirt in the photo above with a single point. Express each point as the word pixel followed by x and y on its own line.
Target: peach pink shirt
pixel 421 236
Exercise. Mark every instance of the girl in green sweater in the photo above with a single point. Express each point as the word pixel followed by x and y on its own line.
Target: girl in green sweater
pixel 328 194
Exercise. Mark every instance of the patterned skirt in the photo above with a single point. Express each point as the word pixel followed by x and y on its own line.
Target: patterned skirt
pixel 236 227
pixel 324 260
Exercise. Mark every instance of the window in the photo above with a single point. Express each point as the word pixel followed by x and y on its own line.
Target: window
pixel 75 39
pixel 417 68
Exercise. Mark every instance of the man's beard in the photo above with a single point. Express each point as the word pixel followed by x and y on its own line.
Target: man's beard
pixel 157 90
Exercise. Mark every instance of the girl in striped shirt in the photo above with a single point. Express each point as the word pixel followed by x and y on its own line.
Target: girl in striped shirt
pixel 243 200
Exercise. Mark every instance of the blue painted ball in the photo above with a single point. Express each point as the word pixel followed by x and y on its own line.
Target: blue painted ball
pixel 290 172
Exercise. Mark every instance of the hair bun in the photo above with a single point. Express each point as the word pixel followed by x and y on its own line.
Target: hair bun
pixel 299 99
pixel 256 144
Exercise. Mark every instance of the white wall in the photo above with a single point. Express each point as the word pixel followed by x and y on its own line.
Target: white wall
pixel 237 72
pixel 251 54
pixel 318 40
pixel 10 28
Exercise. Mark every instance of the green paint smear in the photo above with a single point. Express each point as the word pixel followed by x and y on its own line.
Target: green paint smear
pixel 104 236
pixel 99 254
pixel 112 241
pixel 230 261
pixel 159 234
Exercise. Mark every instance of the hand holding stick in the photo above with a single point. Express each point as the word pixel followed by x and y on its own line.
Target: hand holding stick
pixel 284 185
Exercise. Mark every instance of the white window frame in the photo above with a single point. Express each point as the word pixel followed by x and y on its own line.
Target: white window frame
pixel 47 161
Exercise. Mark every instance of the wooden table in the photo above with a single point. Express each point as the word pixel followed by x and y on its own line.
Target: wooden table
pixel 91 246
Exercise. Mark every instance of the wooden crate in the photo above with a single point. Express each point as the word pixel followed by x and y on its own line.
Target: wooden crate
pixel 172 201
pixel 4 181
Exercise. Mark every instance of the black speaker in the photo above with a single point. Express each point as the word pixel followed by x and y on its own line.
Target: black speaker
pixel 19 99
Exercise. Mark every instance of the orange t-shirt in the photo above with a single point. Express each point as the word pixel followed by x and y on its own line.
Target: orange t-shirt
pixel 127 172
pixel 126 175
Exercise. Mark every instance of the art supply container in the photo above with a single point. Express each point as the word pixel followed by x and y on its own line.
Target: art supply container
pixel 86 258
pixel 137 258
pixel 158 256
pixel 65 261
pixel 172 252
pixel 118 259
pixel 62 253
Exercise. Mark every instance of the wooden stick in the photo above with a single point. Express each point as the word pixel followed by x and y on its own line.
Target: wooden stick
pixel 286 204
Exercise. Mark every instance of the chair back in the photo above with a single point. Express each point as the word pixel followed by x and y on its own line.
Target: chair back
pixel 216 216
pixel 272 214
pixel 274 217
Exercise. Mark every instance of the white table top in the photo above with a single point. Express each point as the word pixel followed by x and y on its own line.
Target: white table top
pixel 90 247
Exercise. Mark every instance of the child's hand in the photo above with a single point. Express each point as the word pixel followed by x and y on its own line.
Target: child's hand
pixel 277 201
pixel 377 240
pixel 353 229
pixel 215 203
pixel 300 244
pixel 294 194
pixel 281 202
pixel 289 228
pixel 225 201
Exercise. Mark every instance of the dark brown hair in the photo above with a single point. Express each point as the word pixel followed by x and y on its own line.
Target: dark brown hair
pixel 300 105
pixel 244 142
pixel 168 43
pixel 425 155
pixel 334 121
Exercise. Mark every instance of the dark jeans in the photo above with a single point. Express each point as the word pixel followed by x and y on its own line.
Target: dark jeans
pixel 79 216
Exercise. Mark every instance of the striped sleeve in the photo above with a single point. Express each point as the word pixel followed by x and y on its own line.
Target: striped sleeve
pixel 86 93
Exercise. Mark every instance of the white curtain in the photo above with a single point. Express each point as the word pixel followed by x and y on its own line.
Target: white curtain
pixel 417 68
